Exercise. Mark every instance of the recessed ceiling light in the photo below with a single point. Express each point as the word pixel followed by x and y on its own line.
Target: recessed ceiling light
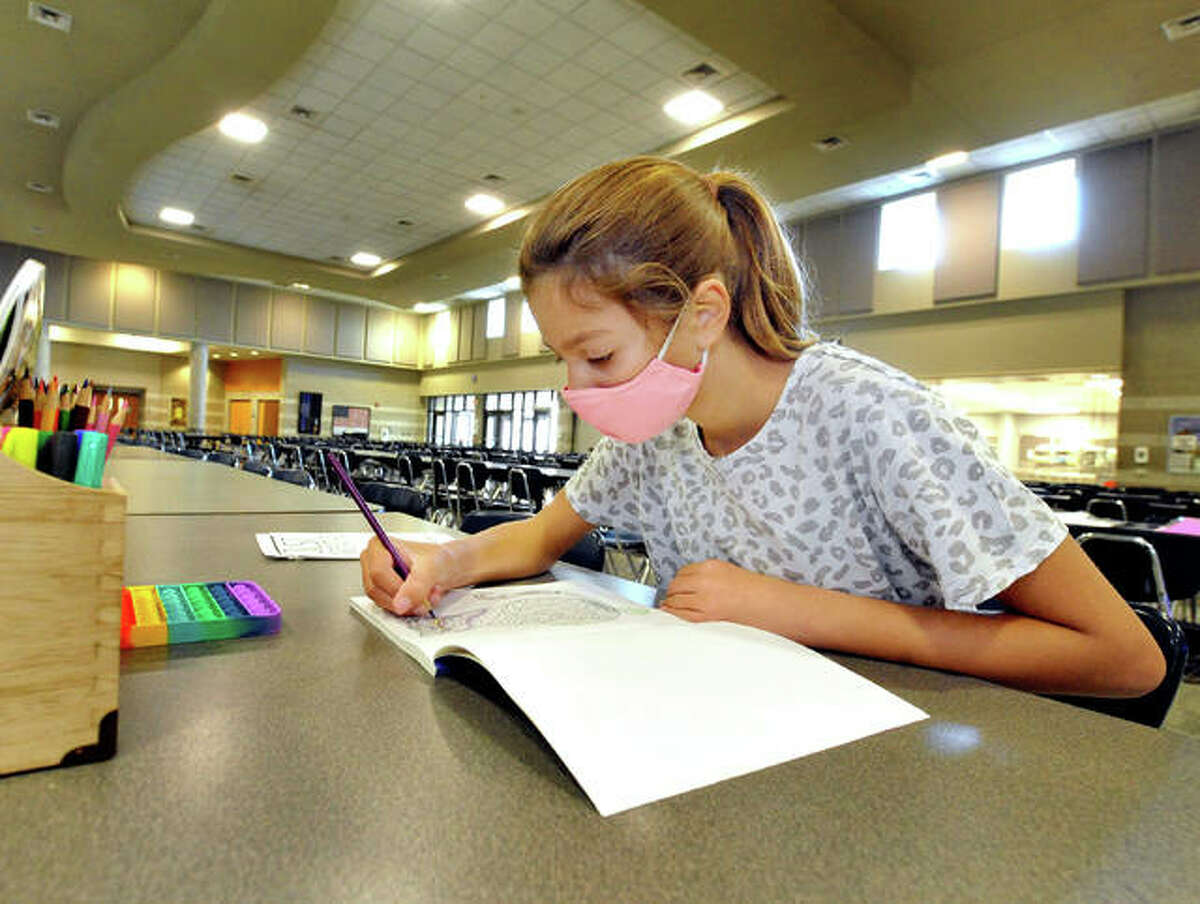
pixel 483 204
pixel 254 353
pixel 177 216
pixel 42 188
pixel 301 285
pixel 216 354
pixel 946 161
pixel 43 118
pixel 243 127
pixel 49 16
pixel 233 354
pixel 365 259
pixel 693 107
pixel 385 269
pixel 428 307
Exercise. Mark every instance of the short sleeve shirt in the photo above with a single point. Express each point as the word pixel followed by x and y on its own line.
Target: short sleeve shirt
pixel 862 480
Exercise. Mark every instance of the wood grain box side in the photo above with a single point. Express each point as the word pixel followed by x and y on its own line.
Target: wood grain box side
pixel 62 552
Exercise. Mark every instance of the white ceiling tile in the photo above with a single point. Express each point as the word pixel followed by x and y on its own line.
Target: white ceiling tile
pixel 567 37
pixel 498 40
pixel 487 96
pixel 675 56
pixel 563 6
pixel 349 65
pixel 370 45
pixel 537 59
pixel 331 83
pixel 377 99
pixel 529 17
pixel 450 80
pixel 457 19
pixel 546 97
pixel 603 57
pixel 637 76
pixel 471 60
pixel 430 42
pixel 513 80
pixel 570 77
pixel 602 16
pixel 640 34
pixel 425 95
pixel 406 62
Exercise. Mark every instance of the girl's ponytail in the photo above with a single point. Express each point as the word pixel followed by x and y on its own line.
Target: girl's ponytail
pixel 646 230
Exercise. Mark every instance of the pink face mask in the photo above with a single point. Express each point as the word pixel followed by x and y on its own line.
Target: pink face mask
pixel 644 406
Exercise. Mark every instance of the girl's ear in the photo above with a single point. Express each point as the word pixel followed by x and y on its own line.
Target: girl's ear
pixel 711 307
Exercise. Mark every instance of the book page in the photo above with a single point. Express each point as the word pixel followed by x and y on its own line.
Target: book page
pixel 343 545
pixel 645 706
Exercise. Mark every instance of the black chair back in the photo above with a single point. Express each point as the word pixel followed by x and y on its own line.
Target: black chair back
pixel 298 476
pixel 587 553
pixel 373 490
pixel 406 500
pixel 1131 565
pixel 257 467
pixel 404 467
pixel 1153 707
pixel 1108 508
pixel 222 458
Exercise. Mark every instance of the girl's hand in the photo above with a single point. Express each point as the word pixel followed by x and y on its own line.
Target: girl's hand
pixel 429 576
pixel 713 590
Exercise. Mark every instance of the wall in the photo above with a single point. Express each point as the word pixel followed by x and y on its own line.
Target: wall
pixel 391 394
pixel 159 376
pixel 1162 377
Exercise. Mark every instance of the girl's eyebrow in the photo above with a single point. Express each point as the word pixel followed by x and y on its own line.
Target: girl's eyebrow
pixel 574 342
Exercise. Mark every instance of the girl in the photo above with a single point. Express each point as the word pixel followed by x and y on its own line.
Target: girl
pixel 778 481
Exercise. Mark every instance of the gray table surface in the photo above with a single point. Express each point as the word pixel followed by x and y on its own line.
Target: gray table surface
pixel 322 764
pixel 162 484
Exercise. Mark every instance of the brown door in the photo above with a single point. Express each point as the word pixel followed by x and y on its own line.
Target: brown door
pixel 268 417
pixel 134 401
pixel 241 416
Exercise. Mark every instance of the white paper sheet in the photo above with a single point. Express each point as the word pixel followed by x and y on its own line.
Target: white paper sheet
pixel 643 707
pixel 332 545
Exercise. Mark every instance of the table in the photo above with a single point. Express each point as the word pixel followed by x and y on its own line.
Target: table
pixel 165 484
pixel 322 765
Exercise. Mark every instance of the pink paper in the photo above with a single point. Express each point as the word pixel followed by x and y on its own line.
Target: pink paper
pixel 1189 526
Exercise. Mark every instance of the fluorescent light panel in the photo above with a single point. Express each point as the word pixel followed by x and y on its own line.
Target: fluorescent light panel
pixel 693 107
pixel 243 127
pixel 484 204
pixel 177 216
pixel 365 259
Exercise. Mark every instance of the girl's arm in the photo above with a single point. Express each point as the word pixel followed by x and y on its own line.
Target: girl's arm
pixel 1072 634
pixel 512 550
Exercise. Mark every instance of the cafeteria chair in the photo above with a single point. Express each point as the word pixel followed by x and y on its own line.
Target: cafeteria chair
pixel 1152 708
pixel 630 547
pixel 587 553
pixel 255 466
pixel 526 489
pixel 197 454
pixel 297 476
pixel 407 474
pixel 1131 565
pixel 222 458
pixel 1108 508
pixel 405 500
pixel 444 495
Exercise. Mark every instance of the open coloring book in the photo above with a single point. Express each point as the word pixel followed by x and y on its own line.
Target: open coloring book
pixel 641 705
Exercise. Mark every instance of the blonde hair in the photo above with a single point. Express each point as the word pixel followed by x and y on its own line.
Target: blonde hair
pixel 646 230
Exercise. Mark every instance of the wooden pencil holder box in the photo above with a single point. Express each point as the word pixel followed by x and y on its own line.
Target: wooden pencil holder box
pixel 62 560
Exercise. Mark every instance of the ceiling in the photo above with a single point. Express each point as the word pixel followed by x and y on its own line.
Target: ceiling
pixel 418 100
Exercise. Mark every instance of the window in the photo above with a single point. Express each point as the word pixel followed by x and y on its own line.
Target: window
pixel 908 233
pixel 495 318
pixel 528 324
pixel 1041 207
pixel 450 420
pixel 521 421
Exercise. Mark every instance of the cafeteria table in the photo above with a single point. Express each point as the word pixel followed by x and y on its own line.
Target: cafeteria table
pixel 322 764
pixel 163 484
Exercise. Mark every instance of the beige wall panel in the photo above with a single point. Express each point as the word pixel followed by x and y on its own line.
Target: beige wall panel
pixel 1069 333
pixel 133 298
pixel 1177 201
pixel 858 256
pixel 822 260
pixel 320 326
pixel 252 318
pixel 89 300
pixel 479 340
pixel 903 290
pixel 407 350
pixel 1162 377
pixel 351 328
pixel 176 304
pixel 464 320
pixel 381 335
pixel 287 321
pixel 969 214
pixel 509 376
pixel 56 283
pixel 511 343
pixel 214 309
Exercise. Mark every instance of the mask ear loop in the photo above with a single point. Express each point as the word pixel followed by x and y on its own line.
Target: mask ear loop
pixel 671 335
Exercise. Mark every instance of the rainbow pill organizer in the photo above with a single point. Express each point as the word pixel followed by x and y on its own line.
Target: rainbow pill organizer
pixel 155 615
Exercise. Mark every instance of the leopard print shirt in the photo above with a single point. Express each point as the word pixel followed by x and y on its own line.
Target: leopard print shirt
pixel 862 480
